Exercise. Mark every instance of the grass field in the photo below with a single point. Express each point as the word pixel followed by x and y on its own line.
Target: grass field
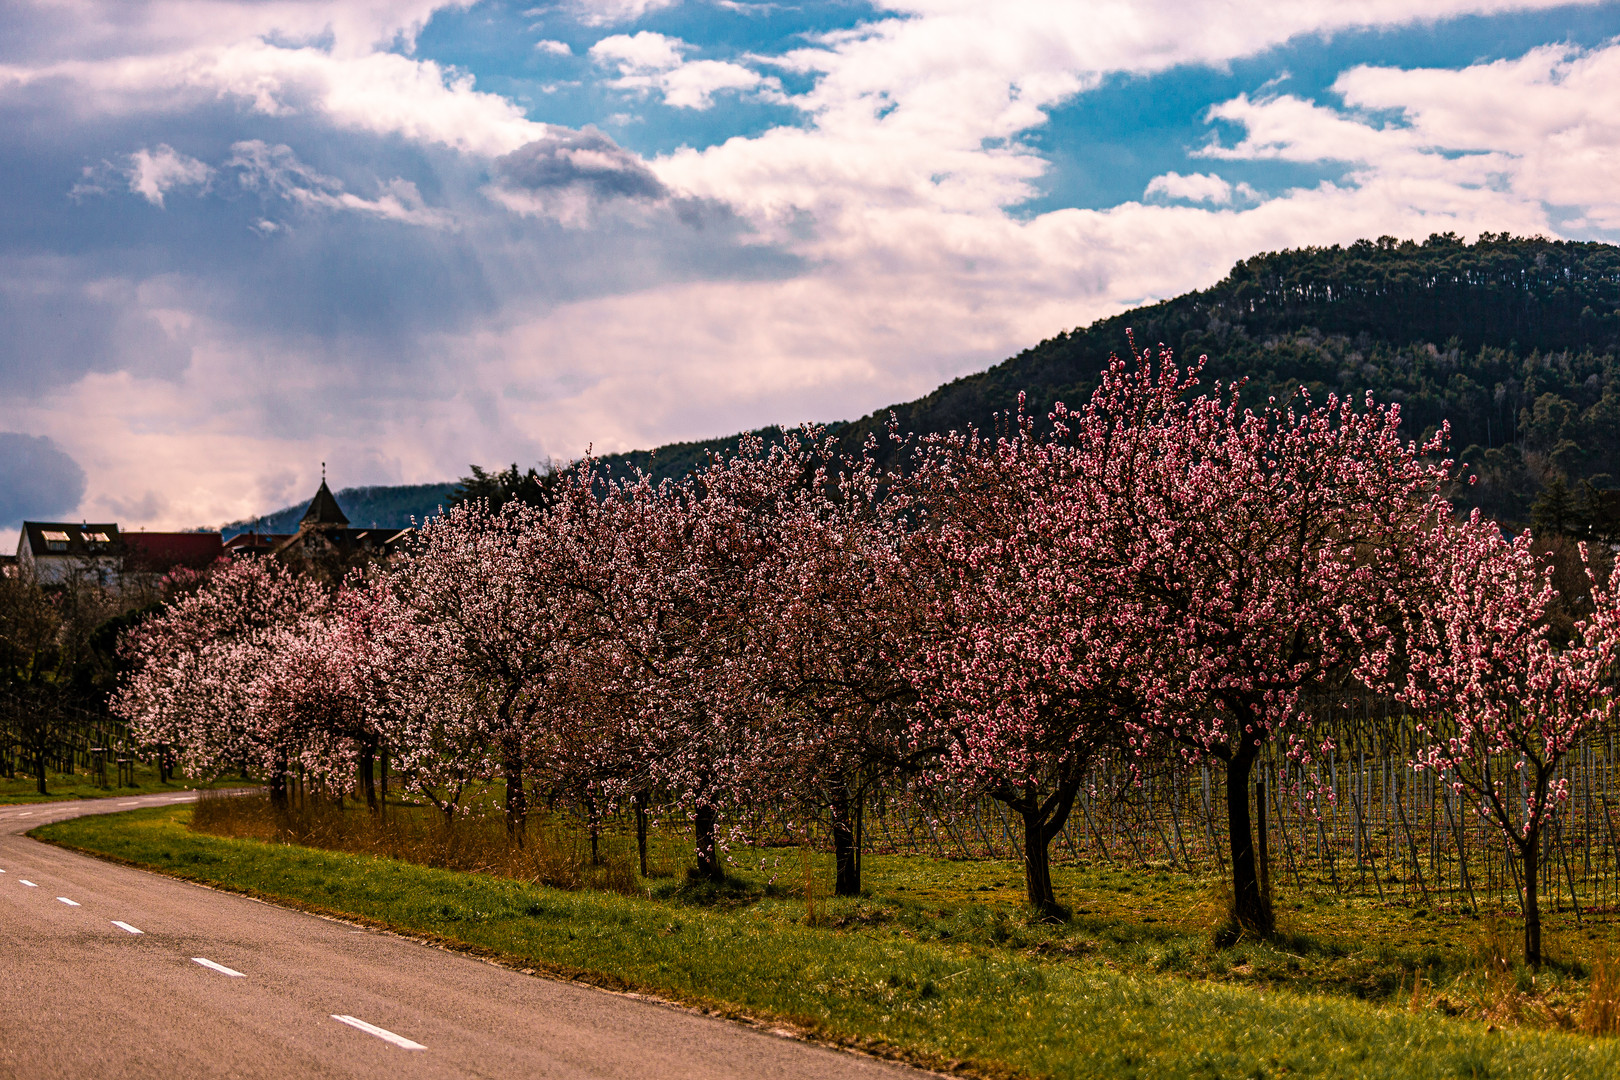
pixel 83 786
pixel 939 964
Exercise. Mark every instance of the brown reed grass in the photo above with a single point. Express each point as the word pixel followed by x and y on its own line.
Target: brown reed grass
pixel 552 851
pixel 1496 953
pixel 1600 1012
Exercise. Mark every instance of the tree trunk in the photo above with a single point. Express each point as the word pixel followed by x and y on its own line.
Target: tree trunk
pixel 845 861
pixel 595 822
pixel 641 830
pixel 708 862
pixel 1043 819
pixel 368 780
pixel 1249 908
pixel 1038 868
pixel 39 768
pixel 278 789
pixel 517 800
pixel 1530 851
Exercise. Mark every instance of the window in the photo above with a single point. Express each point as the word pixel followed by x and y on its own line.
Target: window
pixel 97 538
pixel 55 540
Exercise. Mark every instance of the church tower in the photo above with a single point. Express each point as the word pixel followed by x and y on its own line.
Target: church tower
pixel 323 514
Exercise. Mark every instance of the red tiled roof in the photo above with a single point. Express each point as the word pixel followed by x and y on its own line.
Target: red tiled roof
pixel 163 550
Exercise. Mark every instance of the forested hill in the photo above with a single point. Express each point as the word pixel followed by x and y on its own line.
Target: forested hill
pixel 1512 340
pixel 379 507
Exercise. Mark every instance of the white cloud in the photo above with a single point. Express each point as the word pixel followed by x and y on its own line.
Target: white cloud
pixel 693 85
pixel 652 62
pixel 555 48
pixel 380 93
pixel 1288 128
pixel 1542 129
pixel 153 172
pixel 113 29
pixel 1545 126
pixel 1197 187
pixel 639 53
pixel 615 12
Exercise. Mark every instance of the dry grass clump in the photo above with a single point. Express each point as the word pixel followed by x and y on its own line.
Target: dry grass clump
pixel 1501 1000
pixel 552 852
pixel 1507 993
pixel 1600 1012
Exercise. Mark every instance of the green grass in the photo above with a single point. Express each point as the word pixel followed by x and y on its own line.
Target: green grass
pixel 83 786
pixel 935 978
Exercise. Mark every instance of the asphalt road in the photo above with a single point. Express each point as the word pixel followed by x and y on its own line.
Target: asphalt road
pixel 107 972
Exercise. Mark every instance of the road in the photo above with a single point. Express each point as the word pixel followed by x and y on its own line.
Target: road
pixel 106 971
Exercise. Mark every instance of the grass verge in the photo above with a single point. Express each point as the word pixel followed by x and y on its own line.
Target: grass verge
pixel 21 789
pixel 948 1004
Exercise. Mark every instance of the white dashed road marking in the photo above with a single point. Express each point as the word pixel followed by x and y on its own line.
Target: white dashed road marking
pixel 28 883
pixel 69 903
pixel 382 1033
pixel 221 968
pixel 126 926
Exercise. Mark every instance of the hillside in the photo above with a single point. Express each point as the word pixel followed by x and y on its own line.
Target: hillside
pixel 1511 340
pixel 378 507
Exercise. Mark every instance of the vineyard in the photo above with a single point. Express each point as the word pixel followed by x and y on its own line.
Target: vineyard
pixel 65 737
pixel 1365 823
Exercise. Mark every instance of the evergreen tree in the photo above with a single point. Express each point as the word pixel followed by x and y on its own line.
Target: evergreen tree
pixel 536 487
pixel 1554 509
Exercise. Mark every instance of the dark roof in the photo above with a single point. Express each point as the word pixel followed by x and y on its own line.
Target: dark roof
pixel 166 550
pixel 342 539
pixel 65 538
pixel 323 509
pixel 255 542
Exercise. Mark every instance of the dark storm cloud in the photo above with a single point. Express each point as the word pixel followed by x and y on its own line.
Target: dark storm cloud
pixel 586 160
pixel 37 480
pixel 58 323
pixel 364 255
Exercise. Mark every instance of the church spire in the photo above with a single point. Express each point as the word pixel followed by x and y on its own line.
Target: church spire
pixel 323 508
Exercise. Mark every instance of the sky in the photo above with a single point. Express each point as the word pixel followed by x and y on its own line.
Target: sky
pixel 241 239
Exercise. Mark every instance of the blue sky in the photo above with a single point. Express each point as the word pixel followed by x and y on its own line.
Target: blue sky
pixel 400 236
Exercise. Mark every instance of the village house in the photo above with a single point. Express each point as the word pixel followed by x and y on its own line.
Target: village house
pixel 53 552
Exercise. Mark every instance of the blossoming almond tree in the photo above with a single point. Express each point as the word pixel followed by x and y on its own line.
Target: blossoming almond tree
pixel 1021 677
pixel 655 624
pixel 822 663
pixel 1265 552
pixel 194 666
pixel 1501 704
pixel 481 597
pixel 321 694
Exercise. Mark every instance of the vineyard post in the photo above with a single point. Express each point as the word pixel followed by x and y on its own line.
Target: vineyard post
pixel 1462 854
pixel 1264 851
pixel 1569 874
pixel 1608 822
